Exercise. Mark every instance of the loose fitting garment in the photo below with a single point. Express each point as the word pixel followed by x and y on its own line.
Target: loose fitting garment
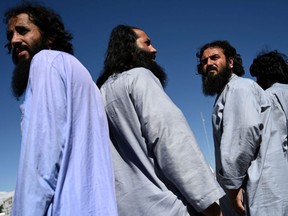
pixel 280 91
pixel 65 166
pixel 159 168
pixel 248 148
pixel 278 94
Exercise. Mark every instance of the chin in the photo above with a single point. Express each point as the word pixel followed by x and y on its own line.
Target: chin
pixel 22 58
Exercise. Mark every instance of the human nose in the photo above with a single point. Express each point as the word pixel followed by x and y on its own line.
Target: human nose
pixel 16 38
pixel 153 50
pixel 209 61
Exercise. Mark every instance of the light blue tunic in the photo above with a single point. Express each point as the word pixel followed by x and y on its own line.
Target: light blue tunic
pixel 65 166
pixel 248 147
pixel 278 94
pixel 159 168
pixel 280 91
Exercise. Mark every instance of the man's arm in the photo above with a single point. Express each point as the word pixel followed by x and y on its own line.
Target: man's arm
pixel 173 144
pixel 42 140
pixel 213 210
pixel 236 198
pixel 241 137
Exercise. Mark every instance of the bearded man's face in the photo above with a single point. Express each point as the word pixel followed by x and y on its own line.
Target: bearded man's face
pixel 25 40
pixel 216 71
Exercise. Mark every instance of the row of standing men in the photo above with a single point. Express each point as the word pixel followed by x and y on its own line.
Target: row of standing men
pixel 145 157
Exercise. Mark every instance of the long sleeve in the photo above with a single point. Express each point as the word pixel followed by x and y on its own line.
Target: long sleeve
pixel 65 166
pixel 239 109
pixel 43 125
pixel 172 142
pixel 159 168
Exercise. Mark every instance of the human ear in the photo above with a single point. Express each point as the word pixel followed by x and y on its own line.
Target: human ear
pixel 50 41
pixel 231 63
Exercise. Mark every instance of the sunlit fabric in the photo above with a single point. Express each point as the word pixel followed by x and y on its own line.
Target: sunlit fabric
pixel 159 168
pixel 247 134
pixel 65 166
pixel 280 91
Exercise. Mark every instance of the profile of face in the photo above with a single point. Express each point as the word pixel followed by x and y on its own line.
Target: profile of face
pixel 216 69
pixel 25 38
pixel 145 55
pixel 143 42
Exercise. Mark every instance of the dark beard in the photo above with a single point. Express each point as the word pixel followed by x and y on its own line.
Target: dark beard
pixel 21 71
pixel 20 78
pixel 214 84
pixel 145 59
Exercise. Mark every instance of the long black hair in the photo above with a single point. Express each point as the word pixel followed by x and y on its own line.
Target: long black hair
pixel 119 55
pixel 49 23
pixel 270 67
pixel 229 52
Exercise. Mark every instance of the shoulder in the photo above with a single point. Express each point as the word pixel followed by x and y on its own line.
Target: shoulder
pixel 136 79
pixel 56 59
pixel 278 87
pixel 248 89
pixel 281 90
pixel 141 74
pixel 52 55
pixel 132 76
pixel 244 85
pixel 57 62
pixel 240 82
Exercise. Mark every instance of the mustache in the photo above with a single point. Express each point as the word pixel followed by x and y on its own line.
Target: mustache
pixel 145 54
pixel 19 47
pixel 210 67
pixel 16 49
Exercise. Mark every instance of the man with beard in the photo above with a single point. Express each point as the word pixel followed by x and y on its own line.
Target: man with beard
pixel 159 168
pixel 246 146
pixel 65 166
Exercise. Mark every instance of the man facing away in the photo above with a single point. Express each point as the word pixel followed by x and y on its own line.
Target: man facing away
pixel 159 168
pixel 271 71
pixel 65 166
pixel 247 147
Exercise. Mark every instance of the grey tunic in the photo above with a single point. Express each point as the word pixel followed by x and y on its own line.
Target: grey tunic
pixel 280 91
pixel 159 168
pixel 278 94
pixel 248 147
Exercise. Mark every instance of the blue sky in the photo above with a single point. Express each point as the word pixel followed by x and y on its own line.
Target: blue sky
pixel 177 29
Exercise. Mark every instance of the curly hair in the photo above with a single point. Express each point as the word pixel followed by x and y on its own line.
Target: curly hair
pixel 119 55
pixel 229 52
pixel 270 67
pixel 49 23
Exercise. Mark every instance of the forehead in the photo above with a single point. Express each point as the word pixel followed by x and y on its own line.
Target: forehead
pixel 212 51
pixel 21 19
pixel 140 34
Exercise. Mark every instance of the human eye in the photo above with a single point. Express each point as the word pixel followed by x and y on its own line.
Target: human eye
pixel 22 30
pixel 204 61
pixel 148 42
pixel 215 57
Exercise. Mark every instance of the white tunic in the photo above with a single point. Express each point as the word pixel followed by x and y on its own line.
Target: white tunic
pixel 159 168
pixel 248 148
pixel 65 166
